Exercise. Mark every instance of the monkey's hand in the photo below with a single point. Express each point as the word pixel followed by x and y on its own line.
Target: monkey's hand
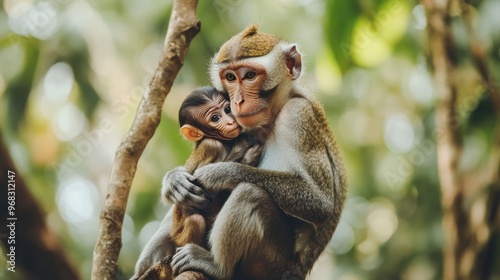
pixel 195 258
pixel 238 151
pixel 178 186
pixel 220 176
pixel 252 156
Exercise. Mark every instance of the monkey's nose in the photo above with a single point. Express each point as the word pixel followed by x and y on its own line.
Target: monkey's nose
pixel 238 105
pixel 238 99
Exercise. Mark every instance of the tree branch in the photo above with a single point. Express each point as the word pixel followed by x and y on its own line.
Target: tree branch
pixel 469 233
pixel 449 144
pixel 479 57
pixel 183 26
pixel 37 249
pixel 491 174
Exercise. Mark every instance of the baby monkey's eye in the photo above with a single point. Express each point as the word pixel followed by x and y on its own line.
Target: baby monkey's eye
pixel 215 118
pixel 227 109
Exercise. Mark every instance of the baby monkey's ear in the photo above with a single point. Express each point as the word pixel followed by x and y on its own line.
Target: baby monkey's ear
pixel 191 133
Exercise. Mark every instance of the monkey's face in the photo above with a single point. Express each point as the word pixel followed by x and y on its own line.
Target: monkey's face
pixel 257 70
pixel 244 85
pixel 218 116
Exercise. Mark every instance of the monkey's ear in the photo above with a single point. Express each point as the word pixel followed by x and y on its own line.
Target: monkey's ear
pixel 191 133
pixel 293 61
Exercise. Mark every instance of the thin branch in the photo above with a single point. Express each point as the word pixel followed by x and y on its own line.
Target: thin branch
pixel 492 176
pixel 183 26
pixel 449 141
pixel 479 57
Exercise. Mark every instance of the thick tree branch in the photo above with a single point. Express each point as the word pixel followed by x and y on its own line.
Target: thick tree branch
pixel 183 26
pixel 37 250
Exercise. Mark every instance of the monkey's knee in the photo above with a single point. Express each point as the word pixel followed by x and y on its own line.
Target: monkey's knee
pixel 245 217
pixel 255 231
pixel 250 193
pixel 194 231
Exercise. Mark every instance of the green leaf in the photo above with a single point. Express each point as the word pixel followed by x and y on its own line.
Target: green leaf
pixel 341 17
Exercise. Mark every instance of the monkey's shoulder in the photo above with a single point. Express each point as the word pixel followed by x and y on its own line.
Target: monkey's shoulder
pixel 209 144
pixel 207 151
pixel 301 115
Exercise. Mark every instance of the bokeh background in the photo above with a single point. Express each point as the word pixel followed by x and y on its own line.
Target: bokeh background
pixel 72 73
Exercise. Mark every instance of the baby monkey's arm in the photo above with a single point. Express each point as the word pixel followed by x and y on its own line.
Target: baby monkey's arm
pixel 245 151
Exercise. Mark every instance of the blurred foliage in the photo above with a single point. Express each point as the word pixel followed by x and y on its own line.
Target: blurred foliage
pixel 73 72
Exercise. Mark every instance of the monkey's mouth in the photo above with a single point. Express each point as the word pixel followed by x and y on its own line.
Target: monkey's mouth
pixel 236 130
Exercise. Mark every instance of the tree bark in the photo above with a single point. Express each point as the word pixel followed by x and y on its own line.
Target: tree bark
pixel 470 200
pixel 37 250
pixel 183 26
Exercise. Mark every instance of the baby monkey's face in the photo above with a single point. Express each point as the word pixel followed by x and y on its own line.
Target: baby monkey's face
pixel 219 117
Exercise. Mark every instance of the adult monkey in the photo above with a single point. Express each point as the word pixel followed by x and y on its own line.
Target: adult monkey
pixel 301 172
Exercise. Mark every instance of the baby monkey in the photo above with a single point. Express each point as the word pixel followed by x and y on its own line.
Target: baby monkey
pixel 205 118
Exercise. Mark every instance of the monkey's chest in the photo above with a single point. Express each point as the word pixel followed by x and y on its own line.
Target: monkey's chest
pixel 278 157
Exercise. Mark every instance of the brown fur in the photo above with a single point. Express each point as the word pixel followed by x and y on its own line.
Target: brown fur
pixel 189 225
pixel 248 43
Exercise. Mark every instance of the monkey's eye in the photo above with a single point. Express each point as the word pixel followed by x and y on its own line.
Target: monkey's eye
pixel 230 77
pixel 215 118
pixel 227 109
pixel 250 75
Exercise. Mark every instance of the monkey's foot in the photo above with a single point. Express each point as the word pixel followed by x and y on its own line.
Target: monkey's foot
pixel 191 275
pixel 159 271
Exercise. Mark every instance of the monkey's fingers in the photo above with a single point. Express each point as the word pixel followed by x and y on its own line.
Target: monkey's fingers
pixel 192 257
pixel 253 154
pixel 190 194
pixel 197 201
pixel 179 260
pixel 178 187
pixel 175 177
pixel 188 199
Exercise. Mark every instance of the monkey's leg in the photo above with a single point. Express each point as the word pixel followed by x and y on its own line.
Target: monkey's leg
pixel 160 246
pixel 194 231
pixel 250 239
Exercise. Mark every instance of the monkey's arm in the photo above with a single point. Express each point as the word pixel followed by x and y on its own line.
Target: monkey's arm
pixel 245 151
pixel 301 166
pixel 206 151
pixel 240 146
pixel 252 156
pixel 294 194
pixel 178 186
